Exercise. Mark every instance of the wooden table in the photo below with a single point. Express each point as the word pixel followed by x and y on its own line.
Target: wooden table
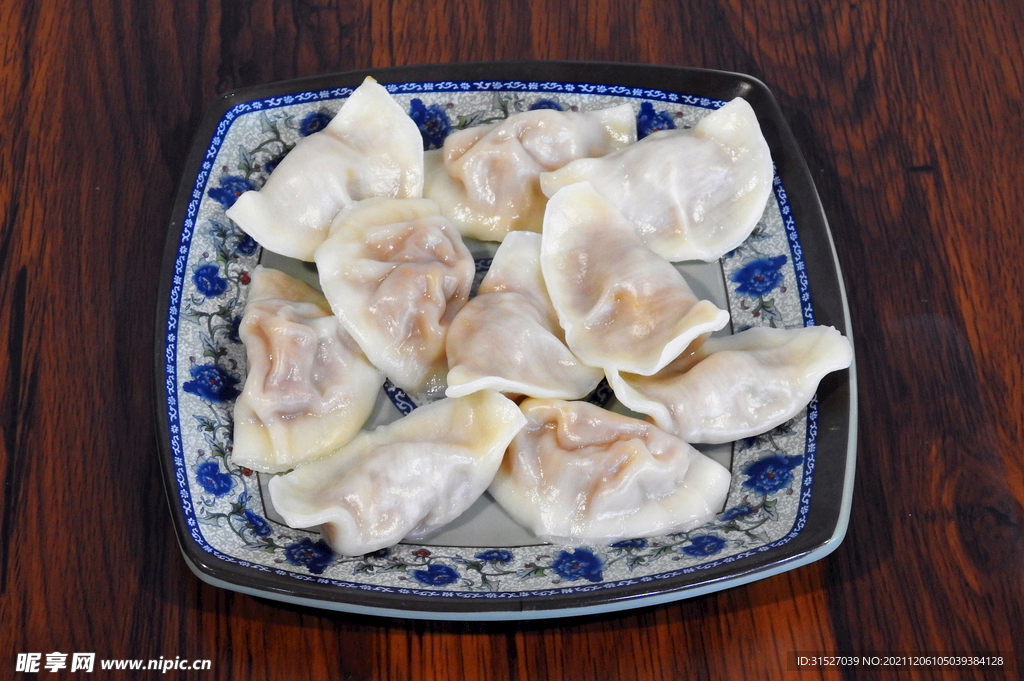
pixel 910 119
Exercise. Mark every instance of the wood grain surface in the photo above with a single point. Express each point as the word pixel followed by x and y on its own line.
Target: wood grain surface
pixel 910 118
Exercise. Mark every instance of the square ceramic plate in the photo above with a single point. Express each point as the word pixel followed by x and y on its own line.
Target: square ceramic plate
pixel 791 490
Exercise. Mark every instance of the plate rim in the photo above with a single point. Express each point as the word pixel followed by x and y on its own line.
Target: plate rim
pixel 832 494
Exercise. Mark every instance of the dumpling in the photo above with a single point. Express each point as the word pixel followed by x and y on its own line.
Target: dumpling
pixel 508 339
pixel 691 194
pixel 737 386
pixel 485 178
pixel 396 273
pixel 403 480
pixel 622 306
pixel 309 388
pixel 370 148
pixel 581 473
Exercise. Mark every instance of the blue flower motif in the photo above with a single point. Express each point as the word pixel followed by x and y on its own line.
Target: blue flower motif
pixel 770 474
pixel 260 526
pixel 212 479
pixel 247 246
pixel 236 323
pixel 315 557
pixel 630 544
pixel 432 121
pixel 495 556
pixel 436 575
pixel 578 564
pixel 231 187
pixel 212 383
pixel 208 280
pixel 314 121
pixel 271 164
pixel 747 442
pixel 741 511
pixel 546 104
pixel 649 121
pixel 760 276
pixel 704 545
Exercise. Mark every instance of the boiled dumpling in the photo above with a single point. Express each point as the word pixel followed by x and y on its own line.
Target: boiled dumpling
pixel 485 178
pixel 691 194
pixel 737 386
pixel 508 337
pixel 622 306
pixel 309 388
pixel 396 273
pixel 370 148
pixel 403 480
pixel 578 472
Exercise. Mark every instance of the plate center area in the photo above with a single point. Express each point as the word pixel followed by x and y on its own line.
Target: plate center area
pixel 485 524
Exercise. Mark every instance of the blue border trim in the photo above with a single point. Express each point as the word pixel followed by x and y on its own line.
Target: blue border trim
pixel 466 86
pixel 802 282
pixel 804 289
pixel 177 288
pixel 171 349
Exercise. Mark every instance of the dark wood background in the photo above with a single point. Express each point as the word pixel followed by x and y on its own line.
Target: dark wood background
pixel 909 115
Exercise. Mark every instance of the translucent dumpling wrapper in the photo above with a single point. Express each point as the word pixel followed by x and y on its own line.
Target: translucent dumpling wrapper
pixel 396 273
pixel 309 388
pixel 578 472
pixel 737 386
pixel 370 148
pixel 486 178
pixel 622 306
pixel 691 194
pixel 403 480
pixel 508 339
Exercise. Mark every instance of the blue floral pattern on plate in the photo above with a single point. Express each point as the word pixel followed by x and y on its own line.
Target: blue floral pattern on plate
pixel 315 557
pixel 229 189
pixel 314 122
pixel 432 122
pixel 205 365
pixel 649 121
pixel 545 103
